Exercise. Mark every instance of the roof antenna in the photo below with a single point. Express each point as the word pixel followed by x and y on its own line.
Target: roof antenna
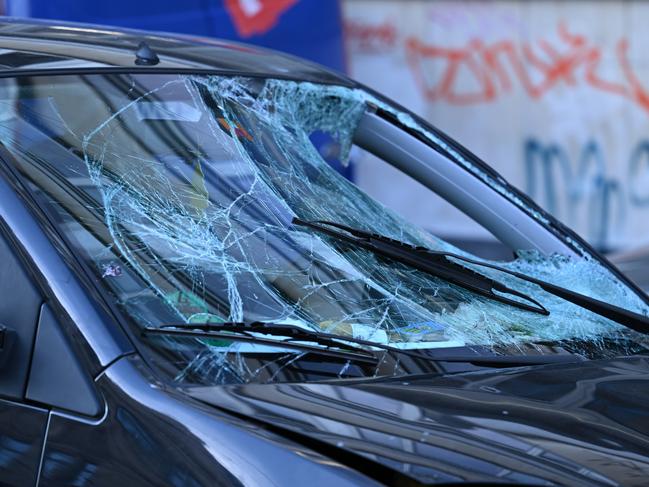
pixel 145 56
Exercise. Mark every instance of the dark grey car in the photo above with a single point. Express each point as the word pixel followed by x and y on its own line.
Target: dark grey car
pixel 190 295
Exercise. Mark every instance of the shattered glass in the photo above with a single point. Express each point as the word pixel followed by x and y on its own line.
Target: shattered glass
pixel 178 192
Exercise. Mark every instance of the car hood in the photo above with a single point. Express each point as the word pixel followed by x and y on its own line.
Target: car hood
pixel 580 424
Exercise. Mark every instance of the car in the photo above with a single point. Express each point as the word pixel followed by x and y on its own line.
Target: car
pixel 190 295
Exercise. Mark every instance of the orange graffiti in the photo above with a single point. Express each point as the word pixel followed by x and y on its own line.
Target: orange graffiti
pixel 496 67
pixel 370 38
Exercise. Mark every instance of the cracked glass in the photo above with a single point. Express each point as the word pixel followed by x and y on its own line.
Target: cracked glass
pixel 178 192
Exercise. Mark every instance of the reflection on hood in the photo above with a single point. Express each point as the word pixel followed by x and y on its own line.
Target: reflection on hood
pixel 555 425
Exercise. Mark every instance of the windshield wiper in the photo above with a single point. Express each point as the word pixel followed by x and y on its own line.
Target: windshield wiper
pixel 441 264
pixel 237 331
pixel 435 264
pixel 243 332
pixel 291 333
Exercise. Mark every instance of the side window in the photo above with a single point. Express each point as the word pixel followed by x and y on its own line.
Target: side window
pixel 20 303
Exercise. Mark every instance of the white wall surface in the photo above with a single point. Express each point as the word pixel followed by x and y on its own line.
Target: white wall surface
pixel 554 95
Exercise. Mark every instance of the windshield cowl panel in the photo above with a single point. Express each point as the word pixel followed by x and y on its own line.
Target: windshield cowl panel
pixel 179 193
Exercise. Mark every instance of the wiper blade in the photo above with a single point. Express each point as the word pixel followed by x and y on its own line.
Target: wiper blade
pixel 335 346
pixel 433 263
pixel 240 332
pixel 434 260
pixel 292 333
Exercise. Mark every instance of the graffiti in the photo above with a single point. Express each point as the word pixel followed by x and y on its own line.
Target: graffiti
pixel 581 187
pixel 570 97
pixel 496 67
pixel 370 38
pixel 639 162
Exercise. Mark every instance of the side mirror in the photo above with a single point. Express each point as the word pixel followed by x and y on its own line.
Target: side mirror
pixel 7 339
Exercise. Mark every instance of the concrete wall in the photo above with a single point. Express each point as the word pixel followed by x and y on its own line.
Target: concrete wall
pixel 554 95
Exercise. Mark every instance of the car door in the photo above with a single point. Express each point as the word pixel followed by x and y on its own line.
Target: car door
pixel 22 422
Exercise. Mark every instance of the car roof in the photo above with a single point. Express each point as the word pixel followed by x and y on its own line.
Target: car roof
pixel 38 46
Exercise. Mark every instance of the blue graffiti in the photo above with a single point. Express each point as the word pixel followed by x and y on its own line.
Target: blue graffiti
pixel 639 163
pixel 571 188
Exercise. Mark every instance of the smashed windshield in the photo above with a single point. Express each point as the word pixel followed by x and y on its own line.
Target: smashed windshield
pixel 178 193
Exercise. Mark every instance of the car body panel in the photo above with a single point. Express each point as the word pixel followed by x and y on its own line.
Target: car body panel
pixel 22 432
pixel 581 424
pixel 150 435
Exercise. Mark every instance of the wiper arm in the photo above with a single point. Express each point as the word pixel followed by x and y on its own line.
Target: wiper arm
pixel 335 346
pixel 292 333
pixel 431 261
pixel 241 332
